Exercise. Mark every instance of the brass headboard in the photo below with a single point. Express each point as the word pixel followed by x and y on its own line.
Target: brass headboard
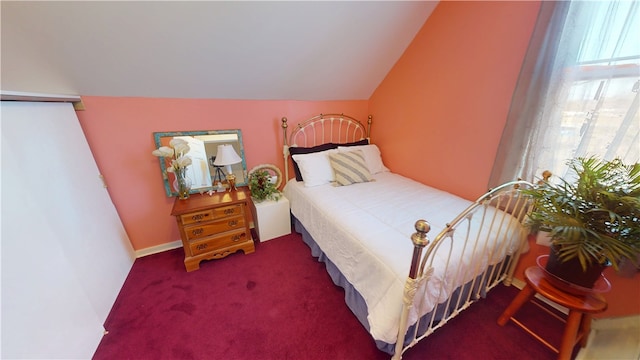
pixel 322 129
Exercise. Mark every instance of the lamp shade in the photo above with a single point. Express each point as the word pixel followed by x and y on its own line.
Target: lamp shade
pixel 226 156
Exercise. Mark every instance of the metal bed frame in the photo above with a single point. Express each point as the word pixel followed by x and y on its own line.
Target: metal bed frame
pixel 339 128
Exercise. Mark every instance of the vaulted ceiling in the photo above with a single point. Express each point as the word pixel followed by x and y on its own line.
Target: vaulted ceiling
pixel 284 50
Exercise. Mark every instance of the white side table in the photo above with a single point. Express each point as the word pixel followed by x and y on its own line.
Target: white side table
pixel 272 218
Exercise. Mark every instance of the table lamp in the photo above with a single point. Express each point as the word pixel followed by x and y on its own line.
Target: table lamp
pixel 227 156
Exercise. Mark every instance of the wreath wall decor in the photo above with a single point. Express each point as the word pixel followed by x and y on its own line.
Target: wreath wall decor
pixel 272 170
pixel 262 184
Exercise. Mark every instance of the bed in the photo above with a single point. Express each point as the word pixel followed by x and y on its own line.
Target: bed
pixel 372 229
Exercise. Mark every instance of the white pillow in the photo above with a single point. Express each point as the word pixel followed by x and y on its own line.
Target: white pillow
pixel 371 156
pixel 315 168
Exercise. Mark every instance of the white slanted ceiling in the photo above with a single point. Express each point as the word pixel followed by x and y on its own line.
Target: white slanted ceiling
pixel 289 50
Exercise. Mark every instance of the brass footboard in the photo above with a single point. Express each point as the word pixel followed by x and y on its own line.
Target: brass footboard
pixel 496 214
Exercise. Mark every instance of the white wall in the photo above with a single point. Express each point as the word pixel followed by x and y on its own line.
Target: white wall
pixel 65 253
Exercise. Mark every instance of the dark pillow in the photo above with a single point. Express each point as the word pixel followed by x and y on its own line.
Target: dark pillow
pixel 294 150
pixel 356 143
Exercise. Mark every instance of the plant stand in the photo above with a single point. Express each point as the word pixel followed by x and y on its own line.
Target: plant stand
pixel 272 218
pixel 578 323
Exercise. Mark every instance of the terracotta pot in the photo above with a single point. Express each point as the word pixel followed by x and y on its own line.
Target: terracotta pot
pixel 571 271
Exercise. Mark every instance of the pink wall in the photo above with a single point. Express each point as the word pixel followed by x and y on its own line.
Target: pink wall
pixel 119 132
pixel 440 111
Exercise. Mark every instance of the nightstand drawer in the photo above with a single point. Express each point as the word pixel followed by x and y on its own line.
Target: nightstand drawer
pixel 214 227
pixel 210 214
pixel 218 242
pixel 197 217
pixel 224 211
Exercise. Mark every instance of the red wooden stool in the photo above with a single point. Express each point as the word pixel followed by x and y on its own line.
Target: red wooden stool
pixel 578 323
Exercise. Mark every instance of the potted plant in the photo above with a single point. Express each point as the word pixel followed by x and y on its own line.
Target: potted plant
pixel 262 187
pixel 593 220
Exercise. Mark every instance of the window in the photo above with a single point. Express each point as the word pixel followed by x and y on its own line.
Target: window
pixel 578 92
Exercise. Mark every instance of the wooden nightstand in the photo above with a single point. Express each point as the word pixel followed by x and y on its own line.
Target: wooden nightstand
pixel 212 227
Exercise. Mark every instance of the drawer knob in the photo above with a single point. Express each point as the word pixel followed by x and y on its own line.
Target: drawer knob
pixel 238 237
pixel 197 231
pixel 233 223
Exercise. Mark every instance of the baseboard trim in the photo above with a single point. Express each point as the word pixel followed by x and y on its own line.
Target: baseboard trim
pixel 518 283
pixel 158 248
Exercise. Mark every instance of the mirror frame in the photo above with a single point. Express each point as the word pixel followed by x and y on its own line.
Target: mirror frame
pixel 157 137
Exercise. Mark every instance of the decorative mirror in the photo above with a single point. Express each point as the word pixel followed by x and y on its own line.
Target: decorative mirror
pixel 205 173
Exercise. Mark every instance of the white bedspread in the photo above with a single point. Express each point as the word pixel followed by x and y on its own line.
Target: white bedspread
pixel 365 231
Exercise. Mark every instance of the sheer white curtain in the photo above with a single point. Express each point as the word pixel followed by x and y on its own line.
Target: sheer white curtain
pixel 577 94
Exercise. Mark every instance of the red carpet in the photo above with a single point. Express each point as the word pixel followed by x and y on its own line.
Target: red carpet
pixel 279 303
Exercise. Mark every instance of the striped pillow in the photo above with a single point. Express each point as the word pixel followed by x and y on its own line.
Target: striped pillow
pixel 350 168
